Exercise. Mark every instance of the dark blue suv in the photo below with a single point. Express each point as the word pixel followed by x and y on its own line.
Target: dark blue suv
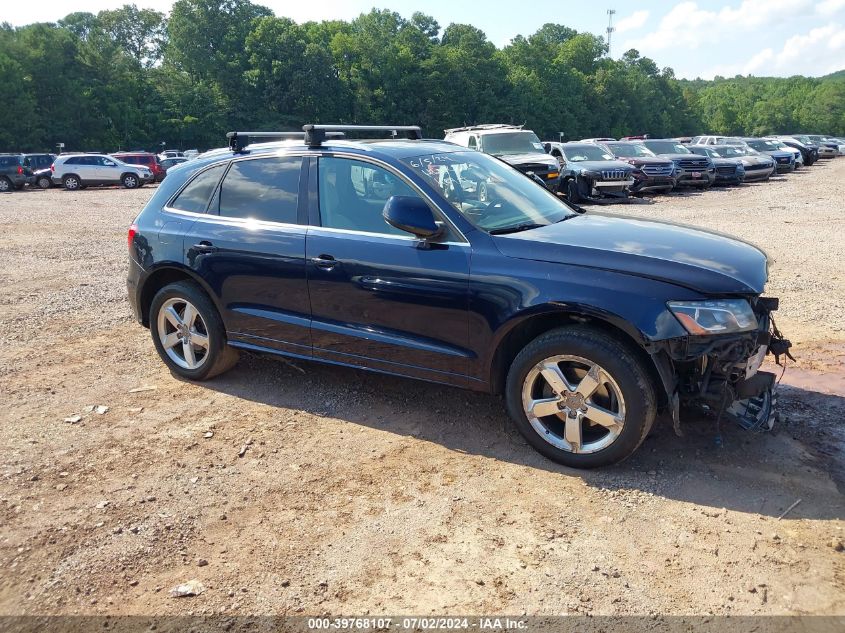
pixel 424 259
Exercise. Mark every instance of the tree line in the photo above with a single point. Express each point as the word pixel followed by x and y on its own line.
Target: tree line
pixel 132 78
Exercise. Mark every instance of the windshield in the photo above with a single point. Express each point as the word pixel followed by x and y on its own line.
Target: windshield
pixel 666 147
pixel 579 153
pixel 704 151
pixel 490 194
pixel 629 150
pixel 764 146
pixel 729 151
pixel 511 143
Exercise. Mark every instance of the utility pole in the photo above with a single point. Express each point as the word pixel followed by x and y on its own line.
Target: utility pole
pixel 610 29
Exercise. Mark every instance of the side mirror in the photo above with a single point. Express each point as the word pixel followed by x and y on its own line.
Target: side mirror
pixel 411 215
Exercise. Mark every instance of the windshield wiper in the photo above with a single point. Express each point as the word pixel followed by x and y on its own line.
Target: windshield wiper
pixel 516 228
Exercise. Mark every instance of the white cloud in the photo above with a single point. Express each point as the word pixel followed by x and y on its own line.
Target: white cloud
pixel 830 7
pixel 688 26
pixel 821 49
pixel 634 21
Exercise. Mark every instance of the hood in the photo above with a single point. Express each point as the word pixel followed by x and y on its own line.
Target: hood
pixel 526 159
pixel 598 165
pixel 757 160
pixel 724 162
pixel 645 160
pixel 703 261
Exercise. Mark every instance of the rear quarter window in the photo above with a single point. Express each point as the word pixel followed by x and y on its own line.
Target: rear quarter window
pixel 264 189
pixel 197 194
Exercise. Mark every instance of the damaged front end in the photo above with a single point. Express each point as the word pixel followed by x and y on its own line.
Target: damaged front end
pixel 719 373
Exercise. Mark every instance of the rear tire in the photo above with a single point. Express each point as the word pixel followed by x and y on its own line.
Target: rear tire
pixel 44 182
pixel 183 308
pixel 5 184
pixel 604 426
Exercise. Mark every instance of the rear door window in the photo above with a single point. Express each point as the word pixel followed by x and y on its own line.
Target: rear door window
pixel 196 195
pixel 265 189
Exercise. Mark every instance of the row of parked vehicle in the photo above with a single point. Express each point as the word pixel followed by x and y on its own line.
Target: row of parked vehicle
pixel 609 168
pixel 80 170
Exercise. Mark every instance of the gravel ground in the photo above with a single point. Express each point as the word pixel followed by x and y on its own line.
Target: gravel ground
pixel 292 489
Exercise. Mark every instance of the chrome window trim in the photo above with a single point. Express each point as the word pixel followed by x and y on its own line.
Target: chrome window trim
pixel 268 224
pixel 431 203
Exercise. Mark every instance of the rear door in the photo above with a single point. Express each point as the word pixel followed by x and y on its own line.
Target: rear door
pixel 250 250
pixel 381 298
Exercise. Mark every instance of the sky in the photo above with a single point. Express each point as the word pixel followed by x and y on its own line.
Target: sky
pixel 696 38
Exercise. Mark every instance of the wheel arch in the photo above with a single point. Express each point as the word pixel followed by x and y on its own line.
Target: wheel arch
pixel 522 330
pixel 165 275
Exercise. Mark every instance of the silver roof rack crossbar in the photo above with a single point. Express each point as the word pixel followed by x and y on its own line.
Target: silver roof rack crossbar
pixel 486 126
pixel 239 140
pixel 316 134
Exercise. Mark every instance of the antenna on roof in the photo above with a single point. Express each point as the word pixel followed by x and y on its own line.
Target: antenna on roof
pixel 610 29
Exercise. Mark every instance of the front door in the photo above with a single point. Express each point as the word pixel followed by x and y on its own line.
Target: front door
pixel 250 249
pixel 381 298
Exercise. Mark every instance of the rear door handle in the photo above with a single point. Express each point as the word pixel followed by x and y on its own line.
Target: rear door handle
pixel 326 262
pixel 205 247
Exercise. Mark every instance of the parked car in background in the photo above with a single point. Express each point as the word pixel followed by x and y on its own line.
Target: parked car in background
pixel 590 325
pixel 729 170
pixel 706 140
pixel 809 151
pixel 146 159
pixel 171 153
pixel 832 147
pixel 77 171
pixel 167 163
pixel 14 173
pixel 757 166
pixel 636 137
pixel 651 173
pixel 589 170
pixel 824 150
pixel 784 160
pixel 190 153
pixel 40 166
pixel 691 169
pixel 595 140
pixel 519 148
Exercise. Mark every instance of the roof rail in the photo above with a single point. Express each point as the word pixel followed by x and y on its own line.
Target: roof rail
pixel 486 126
pixel 316 134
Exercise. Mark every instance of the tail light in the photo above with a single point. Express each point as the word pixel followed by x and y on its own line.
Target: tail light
pixel 53 167
pixel 20 170
pixel 133 231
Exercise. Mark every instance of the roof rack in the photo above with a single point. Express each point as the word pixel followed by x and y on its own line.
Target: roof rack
pixel 316 134
pixel 486 126
pixel 239 140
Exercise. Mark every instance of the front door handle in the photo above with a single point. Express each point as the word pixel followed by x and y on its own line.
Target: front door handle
pixel 205 247
pixel 326 262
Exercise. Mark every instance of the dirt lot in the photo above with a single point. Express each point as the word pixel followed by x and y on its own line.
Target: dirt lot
pixel 357 493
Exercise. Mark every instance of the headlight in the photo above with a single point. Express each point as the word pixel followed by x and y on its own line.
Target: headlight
pixel 718 316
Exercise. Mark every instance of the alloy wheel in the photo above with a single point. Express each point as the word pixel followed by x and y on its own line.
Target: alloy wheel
pixel 573 404
pixel 183 333
pixel 4 185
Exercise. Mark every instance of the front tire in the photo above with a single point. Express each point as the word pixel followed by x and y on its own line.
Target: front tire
pixel 188 333
pixel 131 181
pixel 572 193
pixel 580 397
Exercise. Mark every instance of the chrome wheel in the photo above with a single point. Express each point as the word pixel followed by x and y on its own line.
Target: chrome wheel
pixel 5 185
pixel 72 183
pixel 573 404
pixel 130 182
pixel 183 333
